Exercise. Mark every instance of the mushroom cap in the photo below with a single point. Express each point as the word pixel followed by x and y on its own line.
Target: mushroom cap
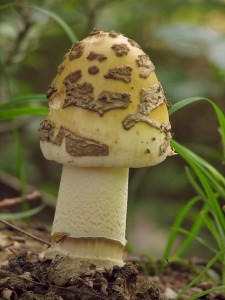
pixel 106 107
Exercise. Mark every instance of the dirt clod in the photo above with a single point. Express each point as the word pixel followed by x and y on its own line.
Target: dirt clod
pixel 25 278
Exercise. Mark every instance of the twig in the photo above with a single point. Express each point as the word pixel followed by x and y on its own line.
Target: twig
pixel 21 35
pixel 13 201
pixel 24 232
pixel 12 183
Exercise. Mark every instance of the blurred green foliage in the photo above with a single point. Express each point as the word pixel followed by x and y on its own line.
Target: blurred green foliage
pixel 184 39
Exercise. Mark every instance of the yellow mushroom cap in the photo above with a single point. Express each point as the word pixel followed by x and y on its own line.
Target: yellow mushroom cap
pixel 107 107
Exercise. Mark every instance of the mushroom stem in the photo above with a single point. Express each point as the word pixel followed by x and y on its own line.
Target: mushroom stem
pixel 90 217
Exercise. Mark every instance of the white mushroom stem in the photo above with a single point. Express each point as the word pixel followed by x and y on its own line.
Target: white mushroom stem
pixel 90 217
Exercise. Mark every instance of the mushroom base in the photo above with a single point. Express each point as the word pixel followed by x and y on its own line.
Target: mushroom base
pixel 77 252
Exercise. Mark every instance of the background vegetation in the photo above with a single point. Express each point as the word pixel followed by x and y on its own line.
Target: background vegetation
pixel 186 42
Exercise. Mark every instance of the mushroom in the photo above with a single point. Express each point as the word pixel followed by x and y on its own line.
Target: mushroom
pixel 107 113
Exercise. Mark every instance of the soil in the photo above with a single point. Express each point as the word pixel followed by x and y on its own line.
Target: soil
pixel 25 275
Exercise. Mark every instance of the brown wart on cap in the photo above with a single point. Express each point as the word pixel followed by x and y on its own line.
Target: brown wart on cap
pixel 113 34
pixel 106 100
pixel 133 43
pixel 93 70
pixel 76 51
pixel 120 49
pixel 82 95
pixel 79 146
pixel 96 56
pixel 111 100
pixel 72 78
pixel 75 145
pixel 122 73
pixel 79 95
pixel 133 119
pixel 95 31
pixel 150 99
pixel 137 117
pixel 146 65
pixel 52 88
pixel 165 144
pixel 60 69
pixel 47 133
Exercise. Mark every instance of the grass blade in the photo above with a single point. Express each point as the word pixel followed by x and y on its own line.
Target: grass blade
pixel 220 115
pixel 192 235
pixel 214 177
pixel 13 113
pixel 178 221
pixel 71 35
pixel 21 100
pixel 181 104
pixel 206 292
pixel 24 214
pixel 197 238
pixel 211 227
pixel 194 184
pixel 201 274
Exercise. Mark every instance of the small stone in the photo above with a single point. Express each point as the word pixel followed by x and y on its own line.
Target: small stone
pixel 171 294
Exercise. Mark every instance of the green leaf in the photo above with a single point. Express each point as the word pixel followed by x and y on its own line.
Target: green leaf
pixel 220 115
pixel 194 184
pixel 181 104
pixel 13 113
pixel 192 236
pixel 58 19
pixel 211 227
pixel 209 184
pixel 216 179
pixel 178 221
pixel 21 100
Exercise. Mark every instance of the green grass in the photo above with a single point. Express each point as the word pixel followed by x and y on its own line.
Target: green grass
pixel 26 214
pixel 209 185
pixel 197 279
